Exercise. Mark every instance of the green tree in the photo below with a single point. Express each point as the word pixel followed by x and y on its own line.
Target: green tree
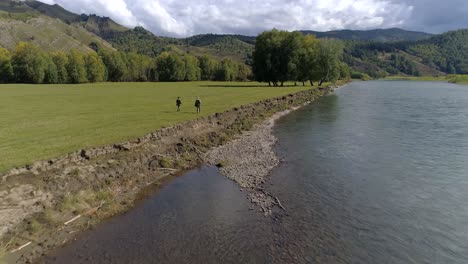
pixel 29 65
pixel 138 67
pixel 170 67
pixel 208 67
pixel 95 68
pixel 243 72
pixel 345 72
pixel 192 70
pixel 327 67
pixel 76 67
pixel 51 73
pixel 6 69
pixel 60 60
pixel 307 59
pixel 115 65
pixel 227 70
pixel 267 57
pixel 280 56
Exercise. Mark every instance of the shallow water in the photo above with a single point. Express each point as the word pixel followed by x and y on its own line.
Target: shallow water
pixel 375 173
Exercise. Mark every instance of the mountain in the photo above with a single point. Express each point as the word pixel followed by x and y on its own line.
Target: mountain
pixel 43 25
pixel 447 52
pixel 438 55
pixel 378 52
pixel 379 35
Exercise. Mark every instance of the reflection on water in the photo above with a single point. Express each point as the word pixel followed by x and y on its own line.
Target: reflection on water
pixel 374 174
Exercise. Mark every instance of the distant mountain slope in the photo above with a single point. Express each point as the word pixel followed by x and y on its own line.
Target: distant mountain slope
pixel 447 52
pixel 377 52
pixel 440 54
pixel 54 11
pixel 381 35
pixel 48 33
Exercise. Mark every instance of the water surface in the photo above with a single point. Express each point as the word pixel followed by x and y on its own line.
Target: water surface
pixel 376 173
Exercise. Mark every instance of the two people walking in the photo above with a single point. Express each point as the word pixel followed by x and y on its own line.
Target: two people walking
pixel 197 104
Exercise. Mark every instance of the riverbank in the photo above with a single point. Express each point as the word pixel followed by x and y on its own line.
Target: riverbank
pixel 46 205
pixel 249 159
pixel 457 79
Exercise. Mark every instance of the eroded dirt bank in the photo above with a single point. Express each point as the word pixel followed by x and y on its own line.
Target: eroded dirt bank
pixel 46 204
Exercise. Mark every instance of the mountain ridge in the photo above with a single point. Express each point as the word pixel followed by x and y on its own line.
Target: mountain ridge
pixel 378 52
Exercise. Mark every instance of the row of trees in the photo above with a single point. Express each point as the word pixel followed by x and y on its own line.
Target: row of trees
pixel 29 64
pixel 281 56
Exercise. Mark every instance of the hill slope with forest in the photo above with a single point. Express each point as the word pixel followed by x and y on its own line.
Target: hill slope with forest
pixel 379 35
pixel 46 33
pixel 379 52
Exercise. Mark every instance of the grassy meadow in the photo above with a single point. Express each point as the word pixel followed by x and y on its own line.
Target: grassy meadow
pixel 38 122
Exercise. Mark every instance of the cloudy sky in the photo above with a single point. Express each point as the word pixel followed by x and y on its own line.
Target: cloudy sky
pixel 189 17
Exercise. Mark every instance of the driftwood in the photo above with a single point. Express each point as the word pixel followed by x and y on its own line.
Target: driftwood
pixel 72 220
pixel 279 203
pixel 20 248
pixel 89 212
pixel 167 169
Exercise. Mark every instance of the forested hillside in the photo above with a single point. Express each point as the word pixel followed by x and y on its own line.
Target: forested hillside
pixel 48 33
pixel 447 52
pixel 378 35
pixel 378 53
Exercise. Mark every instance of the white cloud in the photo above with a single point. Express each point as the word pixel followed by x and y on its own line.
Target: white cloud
pixel 186 17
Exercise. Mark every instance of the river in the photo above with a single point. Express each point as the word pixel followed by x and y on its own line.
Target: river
pixel 375 173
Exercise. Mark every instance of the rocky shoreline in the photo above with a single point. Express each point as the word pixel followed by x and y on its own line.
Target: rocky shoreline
pixel 249 159
pixel 46 204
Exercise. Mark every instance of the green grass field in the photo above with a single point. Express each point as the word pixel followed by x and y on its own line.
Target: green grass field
pixel 38 122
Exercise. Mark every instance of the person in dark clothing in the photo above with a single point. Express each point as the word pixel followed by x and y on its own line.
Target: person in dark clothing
pixel 178 104
pixel 198 105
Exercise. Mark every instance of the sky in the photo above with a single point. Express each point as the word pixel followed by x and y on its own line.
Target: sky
pixel 180 18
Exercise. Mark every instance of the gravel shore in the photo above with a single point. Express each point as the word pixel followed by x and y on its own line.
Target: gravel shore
pixel 249 160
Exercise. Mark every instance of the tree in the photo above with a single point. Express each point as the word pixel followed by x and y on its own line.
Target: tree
pixel 60 60
pixel 170 67
pixel 327 67
pixel 262 57
pixel 76 67
pixel 290 50
pixel 243 72
pixel 138 67
pixel 208 67
pixel 6 69
pixel 28 63
pixel 227 70
pixel 51 74
pixel 95 68
pixel 345 72
pixel 114 63
pixel 307 59
pixel 192 70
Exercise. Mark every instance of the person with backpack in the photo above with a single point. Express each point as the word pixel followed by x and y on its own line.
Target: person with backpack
pixel 198 105
pixel 178 104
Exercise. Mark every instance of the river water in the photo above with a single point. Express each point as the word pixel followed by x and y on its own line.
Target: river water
pixel 375 173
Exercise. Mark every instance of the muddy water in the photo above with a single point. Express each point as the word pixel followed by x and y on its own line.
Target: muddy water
pixel 376 173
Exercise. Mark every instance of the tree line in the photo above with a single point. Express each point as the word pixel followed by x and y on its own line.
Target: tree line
pixel 282 56
pixel 28 64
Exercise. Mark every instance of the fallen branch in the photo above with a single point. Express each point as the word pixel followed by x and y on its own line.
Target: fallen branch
pixel 72 220
pixel 279 203
pixel 89 212
pixel 167 169
pixel 20 248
